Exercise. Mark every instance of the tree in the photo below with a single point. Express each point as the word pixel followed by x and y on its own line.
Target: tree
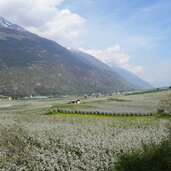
pixel 165 105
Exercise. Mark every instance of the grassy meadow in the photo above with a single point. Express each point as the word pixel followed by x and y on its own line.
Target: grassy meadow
pixel 38 135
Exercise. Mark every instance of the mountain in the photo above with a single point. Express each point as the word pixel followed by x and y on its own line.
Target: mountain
pixel 138 83
pixel 30 64
pixel 90 60
pixel 130 78
pixel 6 24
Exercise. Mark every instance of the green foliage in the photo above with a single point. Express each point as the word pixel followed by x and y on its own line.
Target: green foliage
pixel 151 157
pixel 81 110
pixel 118 100
pixel 165 105
pixel 55 110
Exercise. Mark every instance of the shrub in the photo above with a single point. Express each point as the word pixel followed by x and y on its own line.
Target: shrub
pixel 151 157
pixel 98 113
pixel 90 112
pixel 165 105
pixel 131 114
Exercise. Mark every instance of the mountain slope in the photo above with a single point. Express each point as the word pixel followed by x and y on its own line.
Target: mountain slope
pixel 138 83
pixel 130 78
pixel 90 60
pixel 30 64
pixel 7 24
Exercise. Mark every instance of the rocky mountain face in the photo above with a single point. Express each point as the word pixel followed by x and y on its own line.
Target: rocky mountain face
pixel 6 24
pixel 30 64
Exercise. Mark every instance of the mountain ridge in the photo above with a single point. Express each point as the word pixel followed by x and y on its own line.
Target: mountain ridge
pixel 5 23
pixel 136 82
pixel 30 64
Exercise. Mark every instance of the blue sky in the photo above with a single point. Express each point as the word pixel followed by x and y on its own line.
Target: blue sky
pixel 133 34
pixel 141 28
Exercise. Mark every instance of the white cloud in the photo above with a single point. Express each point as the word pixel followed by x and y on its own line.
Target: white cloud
pixel 133 69
pixel 43 17
pixel 114 56
pixel 110 55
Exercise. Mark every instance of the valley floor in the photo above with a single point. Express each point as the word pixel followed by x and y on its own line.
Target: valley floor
pixel 32 140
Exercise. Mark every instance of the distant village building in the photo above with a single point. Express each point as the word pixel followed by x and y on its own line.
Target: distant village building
pixel 75 102
pixel 85 96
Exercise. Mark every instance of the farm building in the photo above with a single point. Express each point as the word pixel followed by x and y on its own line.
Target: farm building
pixel 75 102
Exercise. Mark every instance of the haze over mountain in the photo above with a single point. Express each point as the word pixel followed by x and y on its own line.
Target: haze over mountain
pixel 131 78
pixel 30 64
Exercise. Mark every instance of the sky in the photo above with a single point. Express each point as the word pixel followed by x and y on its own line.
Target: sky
pixel 132 34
